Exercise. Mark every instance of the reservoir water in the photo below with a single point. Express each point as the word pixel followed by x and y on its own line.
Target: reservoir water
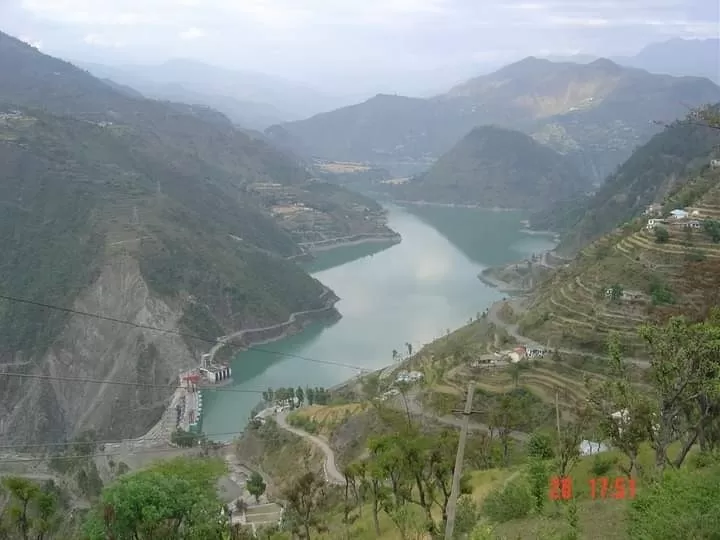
pixel 410 292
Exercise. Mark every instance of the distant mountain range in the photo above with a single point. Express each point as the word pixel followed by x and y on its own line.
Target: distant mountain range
pixel 680 57
pixel 252 100
pixel 595 114
pixel 496 167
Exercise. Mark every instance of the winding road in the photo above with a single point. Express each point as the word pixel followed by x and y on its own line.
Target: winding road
pixel 332 473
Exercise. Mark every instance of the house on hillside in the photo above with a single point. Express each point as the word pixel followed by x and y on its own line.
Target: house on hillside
pixel 679 213
pixel 654 222
pixel 692 224
pixel 715 163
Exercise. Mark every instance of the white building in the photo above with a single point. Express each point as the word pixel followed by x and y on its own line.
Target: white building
pixel 679 213
pixel 589 448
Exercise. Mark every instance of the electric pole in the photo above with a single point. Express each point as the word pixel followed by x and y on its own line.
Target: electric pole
pixel 457 473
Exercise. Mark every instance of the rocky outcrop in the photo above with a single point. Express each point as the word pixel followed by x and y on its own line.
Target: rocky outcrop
pixel 38 410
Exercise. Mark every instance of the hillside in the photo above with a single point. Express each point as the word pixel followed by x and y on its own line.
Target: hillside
pixel 141 211
pixel 647 177
pixel 496 167
pixel 590 112
pixel 635 274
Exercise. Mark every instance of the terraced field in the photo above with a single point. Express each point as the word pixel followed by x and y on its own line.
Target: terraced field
pixel 572 310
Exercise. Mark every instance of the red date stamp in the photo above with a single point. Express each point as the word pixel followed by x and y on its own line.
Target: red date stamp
pixel 620 488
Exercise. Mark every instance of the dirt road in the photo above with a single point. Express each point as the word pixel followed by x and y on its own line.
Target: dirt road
pixel 332 474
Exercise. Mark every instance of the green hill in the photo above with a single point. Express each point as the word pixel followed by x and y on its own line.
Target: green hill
pixel 496 167
pixel 137 210
pixel 648 176
pixel 591 112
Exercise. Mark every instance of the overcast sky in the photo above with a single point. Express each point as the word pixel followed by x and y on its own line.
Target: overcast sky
pixel 313 40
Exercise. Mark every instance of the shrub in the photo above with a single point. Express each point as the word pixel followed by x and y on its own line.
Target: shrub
pixel 602 465
pixel 514 501
pixel 661 235
pixel 540 446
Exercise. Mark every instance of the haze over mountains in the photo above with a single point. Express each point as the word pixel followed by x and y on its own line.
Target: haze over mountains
pixel 253 100
pixel 680 57
pixel 589 112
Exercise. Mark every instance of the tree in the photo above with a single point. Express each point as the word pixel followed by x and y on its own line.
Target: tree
pixel 256 485
pixel 300 395
pixel 310 395
pixel 661 235
pixel 306 499
pixel 32 510
pixel 394 355
pixel 539 477
pixel 540 445
pixel 505 417
pixel 175 499
pixel 409 348
pixel 515 371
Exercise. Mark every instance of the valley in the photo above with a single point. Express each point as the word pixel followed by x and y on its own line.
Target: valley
pixel 404 319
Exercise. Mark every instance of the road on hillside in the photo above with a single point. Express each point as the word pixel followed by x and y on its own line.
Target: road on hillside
pixel 416 409
pixel 513 330
pixel 332 474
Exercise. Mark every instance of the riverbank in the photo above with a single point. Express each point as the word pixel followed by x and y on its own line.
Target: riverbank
pixel 458 205
pixel 267 334
pixel 487 277
pixel 354 240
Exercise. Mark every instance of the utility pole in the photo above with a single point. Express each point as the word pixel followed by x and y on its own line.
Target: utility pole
pixel 457 473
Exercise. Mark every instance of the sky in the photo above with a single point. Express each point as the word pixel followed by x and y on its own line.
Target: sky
pixel 358 41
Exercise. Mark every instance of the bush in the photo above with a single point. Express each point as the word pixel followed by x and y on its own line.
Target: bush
pixel 513 502
pixel 602 465
pixel 661 235
pixel 540 446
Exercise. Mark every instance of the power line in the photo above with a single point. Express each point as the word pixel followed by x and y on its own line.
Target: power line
pixel 124 383
pixel 139 440
pixel 214 341
pixel 82 456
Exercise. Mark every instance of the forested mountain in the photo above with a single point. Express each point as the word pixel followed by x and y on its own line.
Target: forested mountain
pixel 590 112
pixel 132 209
pixel 648 176
pixel 496 167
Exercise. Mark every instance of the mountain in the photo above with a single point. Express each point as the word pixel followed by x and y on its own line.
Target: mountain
pixel 496 167
pixel 592 113
pixel 634 275
pixel 696 57
pixel 648 176
pixel 250 98
pixel 136 210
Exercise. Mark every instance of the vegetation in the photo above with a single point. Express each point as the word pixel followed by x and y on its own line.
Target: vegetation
pixel 171 500
pixel 530 95
pixel 496 167
pixel 646 177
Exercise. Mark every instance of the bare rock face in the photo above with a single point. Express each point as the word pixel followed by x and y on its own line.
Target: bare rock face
pixel 39 410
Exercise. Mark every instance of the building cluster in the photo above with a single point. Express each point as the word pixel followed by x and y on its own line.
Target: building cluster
pixel 677 218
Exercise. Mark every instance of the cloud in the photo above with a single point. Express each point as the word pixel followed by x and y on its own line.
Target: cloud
pixel 37 43
pixel 100 40
pixel 192 33
pixel 353 40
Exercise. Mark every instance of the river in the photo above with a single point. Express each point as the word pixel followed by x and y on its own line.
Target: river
pixel 410 292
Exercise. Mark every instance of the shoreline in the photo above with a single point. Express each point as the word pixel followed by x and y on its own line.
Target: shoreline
pixel 499 284
pixel 316 247
pixel 459 205
pixel 267 334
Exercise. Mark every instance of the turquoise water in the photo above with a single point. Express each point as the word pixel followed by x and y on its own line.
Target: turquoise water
pixel 409 292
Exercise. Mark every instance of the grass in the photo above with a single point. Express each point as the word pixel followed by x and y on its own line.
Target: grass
pixel 324 418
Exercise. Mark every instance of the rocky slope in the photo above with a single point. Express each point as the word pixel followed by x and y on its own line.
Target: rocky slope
pixel 135 210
